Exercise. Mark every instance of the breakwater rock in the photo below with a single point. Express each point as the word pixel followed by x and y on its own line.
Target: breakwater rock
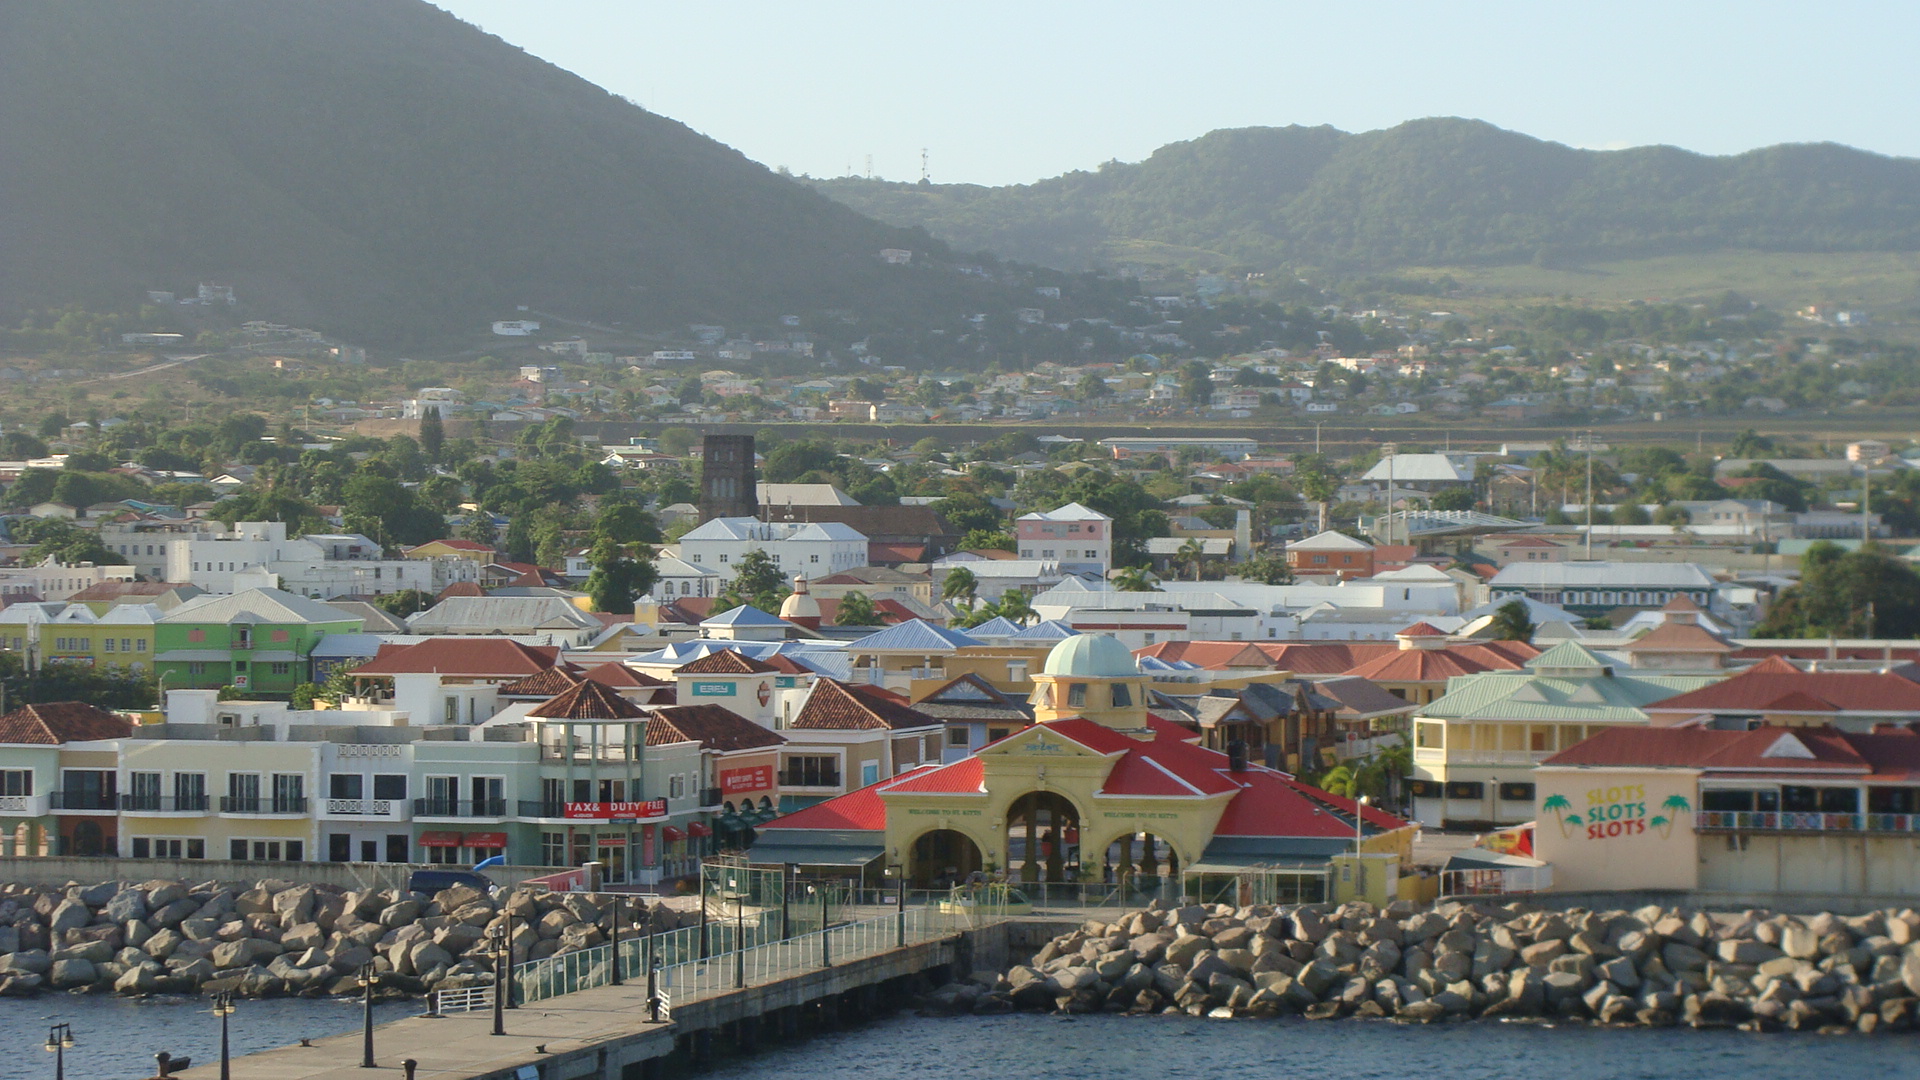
pixel 1652 966
pixel 281 937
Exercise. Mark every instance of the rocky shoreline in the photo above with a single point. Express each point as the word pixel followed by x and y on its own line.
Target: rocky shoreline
pixel 271 938
pixel 1651 967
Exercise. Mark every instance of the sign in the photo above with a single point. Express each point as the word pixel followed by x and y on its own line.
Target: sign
pixel 1612 812
pixel 756 778
pixel 487 839
pixel 240 682
pixel 765 694
pixel 610 841
pixel 610 811
pixel 715 689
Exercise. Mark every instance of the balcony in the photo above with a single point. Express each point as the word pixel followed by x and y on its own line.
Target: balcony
pixel 86 802
pixel 24 805
pixel 479 809
pixel 164 804
pixel 1457 758
pixel 256 806
pixel 1807 821
pixel 533 808
pixel 710 798
pixel 382 809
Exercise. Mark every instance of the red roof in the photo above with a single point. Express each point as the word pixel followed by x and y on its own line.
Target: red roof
pixel 1774 684
pixel 859 810
pixel 1336 657
pixel 461 588
pixel 621 677
pixel 1274 804
pixel 474 657
pixel 1422 629
pixel 838 706
pixel 962 777
pixel 587 701
pixel 725 662
pixel 57 722
pixel 1783 750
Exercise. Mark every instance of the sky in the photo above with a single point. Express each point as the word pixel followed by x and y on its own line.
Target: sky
pixel 1009 92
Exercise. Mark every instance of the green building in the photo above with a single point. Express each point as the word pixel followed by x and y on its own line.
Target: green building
pixel 260 640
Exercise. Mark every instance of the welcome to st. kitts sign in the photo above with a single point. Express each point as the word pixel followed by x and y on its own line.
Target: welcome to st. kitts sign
pixel 616 811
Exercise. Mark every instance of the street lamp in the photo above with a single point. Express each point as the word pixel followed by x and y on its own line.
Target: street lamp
pixel 223 1008
pixel 614 927
pixel 739 933
pixel 59 1040
pixel 1359 863
pixel 500 945
pixel 366 1015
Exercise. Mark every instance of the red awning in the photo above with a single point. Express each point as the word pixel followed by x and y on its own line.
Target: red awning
pixel 672 834
pixel 486 839
pixel 440 839
pixel 699 828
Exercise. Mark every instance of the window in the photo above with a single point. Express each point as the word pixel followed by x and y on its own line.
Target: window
pixel 196 848
pixel 1093 553
pixel 1046 553
pixel 109 644
pixel 344 786
pixel 1428 735
pixel 16 781
pixel 1076 695
pixel 812 770
pixel 813 558
pixel 1461 789
pixel 289 793
pixel 280 669
pixel 190 791
pixel 995 734
pixel 1073 528
pixel 451 712
pixel 143 788
pixel 869 773
pixel 723 556
pixel 676 787
pixel 1122 696
pixel 1516 793
pixel 553 849
pixel 956 736
pixel 1320 559
pixel 390 786
pixel 196 668
pixel 693 558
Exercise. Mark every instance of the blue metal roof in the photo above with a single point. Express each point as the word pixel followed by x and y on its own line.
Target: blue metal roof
pixel 916 634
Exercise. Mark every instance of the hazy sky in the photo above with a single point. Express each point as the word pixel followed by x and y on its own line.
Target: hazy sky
pixel 1003 92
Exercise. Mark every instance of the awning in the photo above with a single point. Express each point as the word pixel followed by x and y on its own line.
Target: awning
pixel 1232 865
pixel 672 834
pixel 733 822
pixel 486 839
pixel 699 828
pixel 440 839
pixel 1482 859
pixel 272 656
pixel 198 656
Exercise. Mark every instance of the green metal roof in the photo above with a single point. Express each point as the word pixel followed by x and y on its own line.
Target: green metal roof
pixel 1529 695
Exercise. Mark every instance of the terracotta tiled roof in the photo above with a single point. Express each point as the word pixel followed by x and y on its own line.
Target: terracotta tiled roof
pixel 544 684
pixel 1678 638
pixel 836 706
pixel 587 700
pixel 1785 750
pixel 725 662
pixel 1421 629
pixel 475 657
pixel 713 727
pixel 1764 685
pixel 461 588
pixel 621 677
pixel 787 665
pixel 57 722
pixel 1421 665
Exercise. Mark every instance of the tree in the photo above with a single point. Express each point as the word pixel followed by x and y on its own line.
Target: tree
pixel 985 540
pixel 960 582
pixel 305 695
pixel 404 603
pixel 1751 444
pixel 618 578
pixel 63 542
pixel 478 527
pixel 1865 593
pixel 1511 623
pixel 678 441
pixel 967 512
pixel 1134 579
pixel 1267 567
pixel 433 434
pixel 626 523
pixel 757 580
pixel 856 610
pixel 1014 607
pixel 1193 554
pixel 1453 499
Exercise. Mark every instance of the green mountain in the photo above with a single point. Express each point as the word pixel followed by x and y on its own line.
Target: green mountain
pixel 380 169
pixel 1426 193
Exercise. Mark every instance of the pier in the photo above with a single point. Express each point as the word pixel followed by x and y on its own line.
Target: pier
pixel 778 989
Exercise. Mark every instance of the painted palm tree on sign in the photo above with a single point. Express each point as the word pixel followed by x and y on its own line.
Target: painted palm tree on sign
pixel 1557 805
pixel 1674 805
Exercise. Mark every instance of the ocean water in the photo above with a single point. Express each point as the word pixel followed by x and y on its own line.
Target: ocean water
pixel 116 1040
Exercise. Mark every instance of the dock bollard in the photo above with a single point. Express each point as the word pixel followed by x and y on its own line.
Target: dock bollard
pixel 408 1066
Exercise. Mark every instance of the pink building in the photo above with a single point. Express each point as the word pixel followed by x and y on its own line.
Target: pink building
pixel 1079 538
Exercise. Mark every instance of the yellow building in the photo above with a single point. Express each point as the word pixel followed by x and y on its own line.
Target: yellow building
pixel 1098 789
pixel 122 638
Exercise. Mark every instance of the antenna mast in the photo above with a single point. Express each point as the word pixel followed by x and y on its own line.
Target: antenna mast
pixel 923 165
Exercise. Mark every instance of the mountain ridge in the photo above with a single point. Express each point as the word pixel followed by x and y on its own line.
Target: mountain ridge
pixel 384 170
pixel 1427 192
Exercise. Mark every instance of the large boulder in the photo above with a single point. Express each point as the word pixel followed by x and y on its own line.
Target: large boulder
pixel 243 953
pixel 294 906
pixel 1738 951
pixel 26 962
pixel 70 915
pixel 125 906
pixel 94 952
pixel 72 974
pixel 143 979
pixel 399 913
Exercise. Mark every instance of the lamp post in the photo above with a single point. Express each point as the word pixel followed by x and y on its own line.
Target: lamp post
pixel 615 933
pixel 366 1016
pixel 1359 863
pixel 500 946
pixel 900 898
pixel 739 933
pixel 223 1008
pixel 59 1039
pixel 507 954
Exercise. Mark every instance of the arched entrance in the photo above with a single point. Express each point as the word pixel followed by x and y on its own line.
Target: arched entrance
pixel 1140 861
pixel 1043 837
pixel 942 858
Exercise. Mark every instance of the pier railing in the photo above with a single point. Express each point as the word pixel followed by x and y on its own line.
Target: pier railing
pixel 691 972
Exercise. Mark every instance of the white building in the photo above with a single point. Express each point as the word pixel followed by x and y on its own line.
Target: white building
pixel 815 548
pixel 51 580
pixel 318 565
pixel 1077 537
pixel 677 578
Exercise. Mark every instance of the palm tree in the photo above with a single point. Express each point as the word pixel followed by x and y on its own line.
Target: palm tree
pixel 1340 780
pixel 1557 805
pixel 1134 579
pixel 960 582
pixel 1014 607
pixel 1510 622
pixel 1193 553
pixel 1674 805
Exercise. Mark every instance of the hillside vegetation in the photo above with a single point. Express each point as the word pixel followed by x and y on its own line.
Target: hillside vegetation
pixel 1426 193
pixel 381 170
